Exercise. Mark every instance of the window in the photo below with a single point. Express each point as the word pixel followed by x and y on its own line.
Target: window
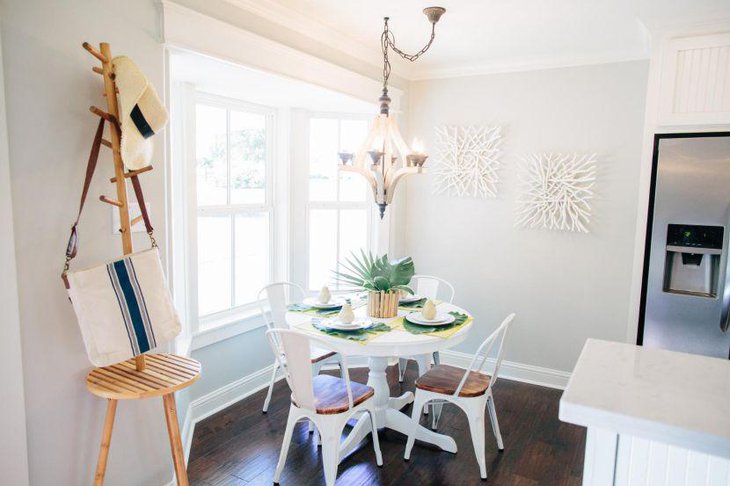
pixel 234 207
pixel 338 204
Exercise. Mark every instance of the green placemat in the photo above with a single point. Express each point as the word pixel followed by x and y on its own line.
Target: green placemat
pixel 438 331
pixel 361 335
pixel 313 311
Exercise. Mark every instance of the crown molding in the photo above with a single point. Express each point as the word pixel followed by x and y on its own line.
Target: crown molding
pixel 310 27
pixel 524 65
pixel 688 27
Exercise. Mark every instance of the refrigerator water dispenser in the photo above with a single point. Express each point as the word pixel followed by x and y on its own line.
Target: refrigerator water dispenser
pixel 692 264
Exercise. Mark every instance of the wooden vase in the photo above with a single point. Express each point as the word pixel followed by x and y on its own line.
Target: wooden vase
pixel 383 304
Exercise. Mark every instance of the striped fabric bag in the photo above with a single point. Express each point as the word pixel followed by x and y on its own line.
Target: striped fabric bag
pixel 124 307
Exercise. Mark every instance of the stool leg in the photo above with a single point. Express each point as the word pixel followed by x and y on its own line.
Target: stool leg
pixel 173 431
pixel 106 437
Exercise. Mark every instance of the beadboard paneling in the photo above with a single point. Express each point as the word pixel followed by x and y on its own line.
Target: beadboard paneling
pixel 696 81
pixel 641 462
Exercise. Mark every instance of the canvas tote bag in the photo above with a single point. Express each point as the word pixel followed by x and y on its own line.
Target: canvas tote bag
pixel 124 307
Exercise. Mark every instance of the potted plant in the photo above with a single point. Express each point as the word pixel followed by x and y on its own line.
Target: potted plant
pixel 382 279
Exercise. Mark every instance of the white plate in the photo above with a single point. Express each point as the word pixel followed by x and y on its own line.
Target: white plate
pixel 314 302
pixel 409 298
pixel 439 320
pixel 356 325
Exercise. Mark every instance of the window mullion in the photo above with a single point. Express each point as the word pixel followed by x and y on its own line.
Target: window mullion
pixel 338 200
pixel 231 217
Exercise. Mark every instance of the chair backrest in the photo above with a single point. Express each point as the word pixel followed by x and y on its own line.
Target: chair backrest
pixel 292 350
pixel 428 286
pixel 277 296
pixel 498 338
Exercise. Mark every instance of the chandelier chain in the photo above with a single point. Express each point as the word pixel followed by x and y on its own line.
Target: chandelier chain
pixel 387 39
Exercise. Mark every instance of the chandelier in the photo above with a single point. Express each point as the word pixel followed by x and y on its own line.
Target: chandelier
pixel 384 158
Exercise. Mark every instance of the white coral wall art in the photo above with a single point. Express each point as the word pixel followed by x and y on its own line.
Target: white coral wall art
pixel 468 161
pixel 557 189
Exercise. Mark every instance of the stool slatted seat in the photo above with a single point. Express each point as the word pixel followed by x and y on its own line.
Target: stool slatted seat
pixel 163 374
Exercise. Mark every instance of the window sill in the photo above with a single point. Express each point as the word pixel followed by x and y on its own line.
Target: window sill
pixel 226 328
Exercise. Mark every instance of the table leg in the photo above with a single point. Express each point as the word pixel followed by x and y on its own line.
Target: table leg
pixel 388 414
pixel 398 421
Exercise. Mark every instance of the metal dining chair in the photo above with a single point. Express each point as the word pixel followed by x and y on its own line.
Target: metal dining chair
pixel 470 389
pixel 277 297
pixel 327 401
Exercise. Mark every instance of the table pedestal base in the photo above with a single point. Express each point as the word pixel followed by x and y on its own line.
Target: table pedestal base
pixel 388 414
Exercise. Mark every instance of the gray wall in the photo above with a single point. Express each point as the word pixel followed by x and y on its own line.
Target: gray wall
pixel 14 445
pixel 564 287
pixel 49 88
pixel 230 360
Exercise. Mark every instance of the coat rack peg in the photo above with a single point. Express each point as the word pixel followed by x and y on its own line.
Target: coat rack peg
pixel 107 143
pixel 99 112
pixel 98 70
pixel 94 52
pixel 136 220
pixel 113 202
pixel 133 173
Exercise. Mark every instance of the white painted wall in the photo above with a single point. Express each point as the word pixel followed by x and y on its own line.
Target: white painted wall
pixel 49 87
pixel 564 287
pixel 14 444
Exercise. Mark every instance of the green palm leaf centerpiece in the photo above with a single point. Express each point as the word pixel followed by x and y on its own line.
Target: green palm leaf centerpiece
pixel 383 279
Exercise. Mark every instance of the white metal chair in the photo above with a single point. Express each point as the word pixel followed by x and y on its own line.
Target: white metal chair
pixel 427 286
pixel 325 400
pixel 469 389
pixel 278 296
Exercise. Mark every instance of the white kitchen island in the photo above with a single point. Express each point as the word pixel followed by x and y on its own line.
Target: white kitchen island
pixel 654 417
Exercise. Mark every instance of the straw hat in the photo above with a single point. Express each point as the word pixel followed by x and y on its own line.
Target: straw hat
pixel 141 113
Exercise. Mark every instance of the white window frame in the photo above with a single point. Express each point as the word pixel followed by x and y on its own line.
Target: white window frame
pixel 207 323
pixel 303 197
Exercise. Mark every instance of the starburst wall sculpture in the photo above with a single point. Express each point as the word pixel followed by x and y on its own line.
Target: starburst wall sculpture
pixel 468 161
pixel 557 191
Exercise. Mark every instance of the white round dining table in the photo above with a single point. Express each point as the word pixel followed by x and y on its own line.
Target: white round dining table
pixel 396 343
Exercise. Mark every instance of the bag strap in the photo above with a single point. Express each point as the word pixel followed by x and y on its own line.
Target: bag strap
pixel 73 240
pixel 143 208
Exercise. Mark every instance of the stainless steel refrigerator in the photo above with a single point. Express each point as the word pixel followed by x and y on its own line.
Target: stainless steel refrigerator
pixel 686 289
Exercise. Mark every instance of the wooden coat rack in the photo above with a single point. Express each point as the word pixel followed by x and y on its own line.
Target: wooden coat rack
pixel 149 375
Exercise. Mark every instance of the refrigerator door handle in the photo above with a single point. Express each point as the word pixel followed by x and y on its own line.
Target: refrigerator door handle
pixel 725 311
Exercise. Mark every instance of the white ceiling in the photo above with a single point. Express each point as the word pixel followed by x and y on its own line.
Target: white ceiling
pixel 489 35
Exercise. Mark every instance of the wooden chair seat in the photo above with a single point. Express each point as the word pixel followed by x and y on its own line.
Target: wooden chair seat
pixel 163 374
pixel 330 394
pixel 445 379
pixel 321 355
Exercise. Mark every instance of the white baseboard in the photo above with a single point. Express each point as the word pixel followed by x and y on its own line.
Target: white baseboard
pixel 535 375
pixel 217 400
pixel 225 396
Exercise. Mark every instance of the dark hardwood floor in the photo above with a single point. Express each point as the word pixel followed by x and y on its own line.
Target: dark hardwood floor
pixel 240 445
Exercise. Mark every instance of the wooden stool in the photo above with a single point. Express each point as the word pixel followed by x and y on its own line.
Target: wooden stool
pixel 163 375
